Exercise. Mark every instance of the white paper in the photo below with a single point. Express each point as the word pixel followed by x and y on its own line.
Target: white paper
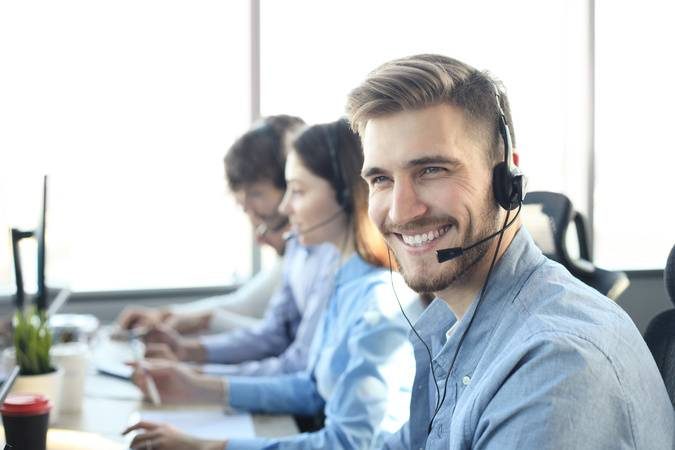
pixel 205 424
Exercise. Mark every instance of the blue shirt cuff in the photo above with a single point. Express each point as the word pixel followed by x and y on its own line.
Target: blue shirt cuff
pixel 210 346
pixel 243 393
pixel 248 444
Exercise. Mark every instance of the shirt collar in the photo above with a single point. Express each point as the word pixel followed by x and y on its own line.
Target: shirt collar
pixel 510 272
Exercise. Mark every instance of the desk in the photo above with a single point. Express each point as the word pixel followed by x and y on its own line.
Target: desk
pixel 109 403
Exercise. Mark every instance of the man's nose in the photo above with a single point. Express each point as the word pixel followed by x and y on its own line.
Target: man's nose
pixel 406 203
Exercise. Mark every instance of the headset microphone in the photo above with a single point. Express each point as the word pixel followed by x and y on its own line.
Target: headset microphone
pixel 294 233
pixel 446 254
pixel 271 226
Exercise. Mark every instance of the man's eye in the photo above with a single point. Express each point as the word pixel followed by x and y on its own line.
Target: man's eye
pixel 432 170
pixel 378 180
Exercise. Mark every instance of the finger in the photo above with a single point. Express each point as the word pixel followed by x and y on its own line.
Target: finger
pixel 158 366
pixel 127 320
pixel 158 350
pixel 152 435
pixel 151 334
pixel 165 331
pixel 165 355
pixel 147 443
pixel 155 335
pixel 140 380
pixel 141 425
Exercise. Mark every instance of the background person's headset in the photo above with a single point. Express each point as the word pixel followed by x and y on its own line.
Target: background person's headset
pixel 343 194
pixel 508 185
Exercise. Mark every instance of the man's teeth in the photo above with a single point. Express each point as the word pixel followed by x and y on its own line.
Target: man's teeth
pixel 417 240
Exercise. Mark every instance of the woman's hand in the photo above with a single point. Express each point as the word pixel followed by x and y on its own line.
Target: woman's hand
pixel 189 323
pixel 177 383
pixel 141 317
pixel 181 348
pixel 165 437
pixel 160 351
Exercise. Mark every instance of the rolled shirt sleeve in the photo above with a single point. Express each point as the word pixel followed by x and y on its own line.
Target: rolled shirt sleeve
pixel 280 344
pixel 268 339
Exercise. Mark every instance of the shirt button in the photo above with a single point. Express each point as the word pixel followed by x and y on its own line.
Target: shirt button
pixel 466 380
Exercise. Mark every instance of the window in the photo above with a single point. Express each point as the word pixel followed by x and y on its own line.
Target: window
pixel 634 196
pixel 542 53
pixel 129 107
pixel 314 53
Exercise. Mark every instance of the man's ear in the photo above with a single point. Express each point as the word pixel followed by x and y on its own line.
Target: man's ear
pixel 516 157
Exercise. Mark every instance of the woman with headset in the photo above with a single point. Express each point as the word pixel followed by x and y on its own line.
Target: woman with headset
pixel 326 202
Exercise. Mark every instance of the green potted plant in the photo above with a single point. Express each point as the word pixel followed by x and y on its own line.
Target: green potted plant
pixel 32 344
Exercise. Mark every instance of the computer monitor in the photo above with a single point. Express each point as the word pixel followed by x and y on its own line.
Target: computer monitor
pixel 40 234
pixel 41 296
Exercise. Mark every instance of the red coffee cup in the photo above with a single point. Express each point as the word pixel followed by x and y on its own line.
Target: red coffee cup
pixel 26 419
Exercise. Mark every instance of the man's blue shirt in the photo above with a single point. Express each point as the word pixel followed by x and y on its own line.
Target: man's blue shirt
pixel 548 363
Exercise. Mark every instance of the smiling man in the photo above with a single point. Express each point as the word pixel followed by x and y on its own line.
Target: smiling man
pixel 514 353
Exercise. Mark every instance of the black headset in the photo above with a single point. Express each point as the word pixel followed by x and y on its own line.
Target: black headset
pixel 342 191
pixel 507 179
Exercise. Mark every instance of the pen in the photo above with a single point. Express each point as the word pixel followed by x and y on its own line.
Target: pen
pixel 153 392
pixel 152 389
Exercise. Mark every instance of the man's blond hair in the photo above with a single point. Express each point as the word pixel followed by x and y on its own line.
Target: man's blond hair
pixel 420 81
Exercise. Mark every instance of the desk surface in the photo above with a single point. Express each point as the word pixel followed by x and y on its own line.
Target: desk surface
pixel 109 403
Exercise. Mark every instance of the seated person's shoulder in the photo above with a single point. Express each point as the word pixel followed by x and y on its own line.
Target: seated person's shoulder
pixel 560 322
pixel 554 303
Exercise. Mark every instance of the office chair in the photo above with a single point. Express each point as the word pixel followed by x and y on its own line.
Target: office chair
pixel 660 334
pixel 547 216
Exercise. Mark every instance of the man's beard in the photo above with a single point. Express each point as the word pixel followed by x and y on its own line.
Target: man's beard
pixel 461 267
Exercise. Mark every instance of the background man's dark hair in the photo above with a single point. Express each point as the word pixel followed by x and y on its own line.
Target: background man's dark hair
pixel 260 154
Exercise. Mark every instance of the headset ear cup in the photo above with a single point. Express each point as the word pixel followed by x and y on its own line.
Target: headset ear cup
pixel 500 185
pixel 345 200
pixel 340 198
pixel 516 189
pixel 507 186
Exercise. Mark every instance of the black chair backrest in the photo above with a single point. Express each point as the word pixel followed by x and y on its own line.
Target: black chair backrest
pixel 660 334
pixel 547 216
pixel 669 275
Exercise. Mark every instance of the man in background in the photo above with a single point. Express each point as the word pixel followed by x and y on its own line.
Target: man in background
pixel 254 169
pixel 279 342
